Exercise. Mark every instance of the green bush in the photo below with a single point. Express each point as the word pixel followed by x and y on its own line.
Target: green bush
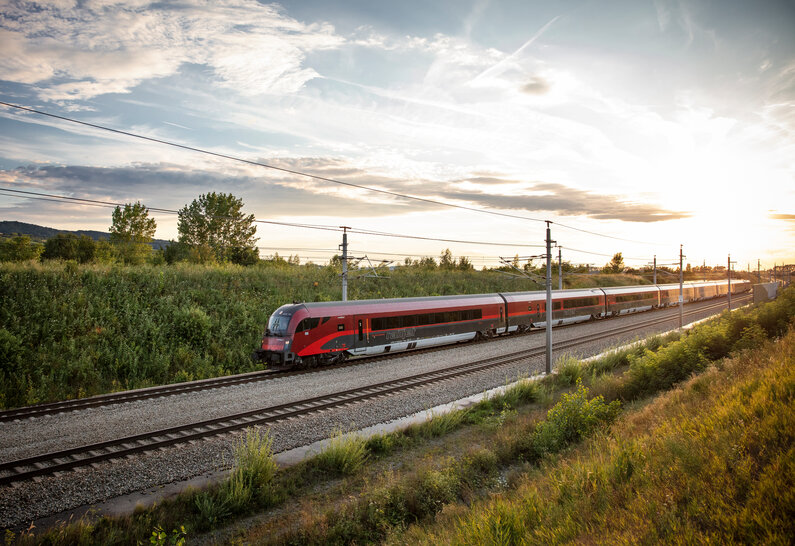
pixel 572 419
pixel 19 249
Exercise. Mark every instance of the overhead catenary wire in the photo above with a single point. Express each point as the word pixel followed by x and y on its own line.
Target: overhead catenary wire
pixel 310 175
pixel 94 202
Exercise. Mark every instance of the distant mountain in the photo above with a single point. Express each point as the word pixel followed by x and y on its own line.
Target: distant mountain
pixel 10 228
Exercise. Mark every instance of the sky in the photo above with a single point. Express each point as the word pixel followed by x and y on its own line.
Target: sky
pixel 633 126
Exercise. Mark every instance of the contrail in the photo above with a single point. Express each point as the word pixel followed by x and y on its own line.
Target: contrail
pixel 499 66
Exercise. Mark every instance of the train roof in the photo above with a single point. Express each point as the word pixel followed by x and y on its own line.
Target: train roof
pixel 399 304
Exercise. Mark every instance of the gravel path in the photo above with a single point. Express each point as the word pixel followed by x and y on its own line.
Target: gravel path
pixel 21 503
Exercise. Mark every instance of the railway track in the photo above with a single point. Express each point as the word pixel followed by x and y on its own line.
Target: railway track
pixel 40 410
pixel 51 463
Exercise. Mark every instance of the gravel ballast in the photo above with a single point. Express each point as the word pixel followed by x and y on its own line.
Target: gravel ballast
pixel 24 502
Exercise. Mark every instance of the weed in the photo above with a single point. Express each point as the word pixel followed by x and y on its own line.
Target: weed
pixel 569 370
pixel 437 425
pixel 344 454
pixel 211 510
pixel 254 464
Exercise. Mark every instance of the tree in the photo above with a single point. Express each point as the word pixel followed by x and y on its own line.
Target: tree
pixel 216 221
pixel 68 246
pixel 615 265
pixel 132 231
pixel 19 249
pixel 446 260
pixel 464 264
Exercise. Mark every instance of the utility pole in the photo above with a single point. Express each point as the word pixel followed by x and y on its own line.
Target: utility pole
pixel 548 313
pixel 758 271
pixel 560 268
pixel 655 269
pixel 345 262
pixel 681 290
pixel 729 273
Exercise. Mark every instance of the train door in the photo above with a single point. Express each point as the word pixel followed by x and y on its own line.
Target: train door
pixel 359 332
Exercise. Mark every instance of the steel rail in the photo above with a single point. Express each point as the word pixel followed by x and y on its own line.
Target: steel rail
pixel 51 408
pixel 50 463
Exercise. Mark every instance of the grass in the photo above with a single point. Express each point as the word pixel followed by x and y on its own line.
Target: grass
pixel 712 460
pixel 344 454
pixel 69 330
pixel 418 484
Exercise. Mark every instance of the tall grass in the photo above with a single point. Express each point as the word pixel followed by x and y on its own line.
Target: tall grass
pixel 710 462
pixel 344 454
pixel 424 494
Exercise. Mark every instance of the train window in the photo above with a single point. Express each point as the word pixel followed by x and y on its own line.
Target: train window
pixel 340 327
pixel 556 305
pixel 307 324
pixel 409 321
pixel 325 320
pixel 361 330
pixel 580 302
pixel 424 319
pixel 630 297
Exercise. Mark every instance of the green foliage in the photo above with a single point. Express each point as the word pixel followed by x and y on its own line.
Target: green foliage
pixel 211 510
pixel 572 419
pixel 569 370
pixel 713 464
pixel 131 231
pixel 132 224
pixel 175 252
pixel 214 225
pixel 344 454
pixel 446 260
pixel 19 249
pixel 68 246
pixel 255 466
pixel 437 425
pixel 161 538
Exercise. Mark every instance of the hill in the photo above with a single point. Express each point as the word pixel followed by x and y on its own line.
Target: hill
pixel 12 228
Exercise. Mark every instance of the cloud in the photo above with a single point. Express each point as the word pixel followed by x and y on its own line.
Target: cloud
pixel 786 217
pixel 75 52
pixel 562 200
pixel 275 193
pixel 173 186
pixel 536 86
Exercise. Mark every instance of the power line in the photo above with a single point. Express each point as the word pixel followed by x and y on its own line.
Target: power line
pixel 265 165
pixel 94 202
pixel 309 175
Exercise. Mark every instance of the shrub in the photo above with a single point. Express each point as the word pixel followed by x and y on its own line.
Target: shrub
pixel 571 419
pixel 192 326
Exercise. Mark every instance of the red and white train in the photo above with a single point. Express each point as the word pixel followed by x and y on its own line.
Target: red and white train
pixel 320 333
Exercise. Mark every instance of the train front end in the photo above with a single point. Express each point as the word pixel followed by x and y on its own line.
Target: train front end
pixel 277 342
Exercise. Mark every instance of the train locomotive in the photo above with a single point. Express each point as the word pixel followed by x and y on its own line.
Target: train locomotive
pixel 323 333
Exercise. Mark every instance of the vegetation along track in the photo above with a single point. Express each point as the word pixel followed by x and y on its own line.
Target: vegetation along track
pixel 52 408
pixel 24 469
